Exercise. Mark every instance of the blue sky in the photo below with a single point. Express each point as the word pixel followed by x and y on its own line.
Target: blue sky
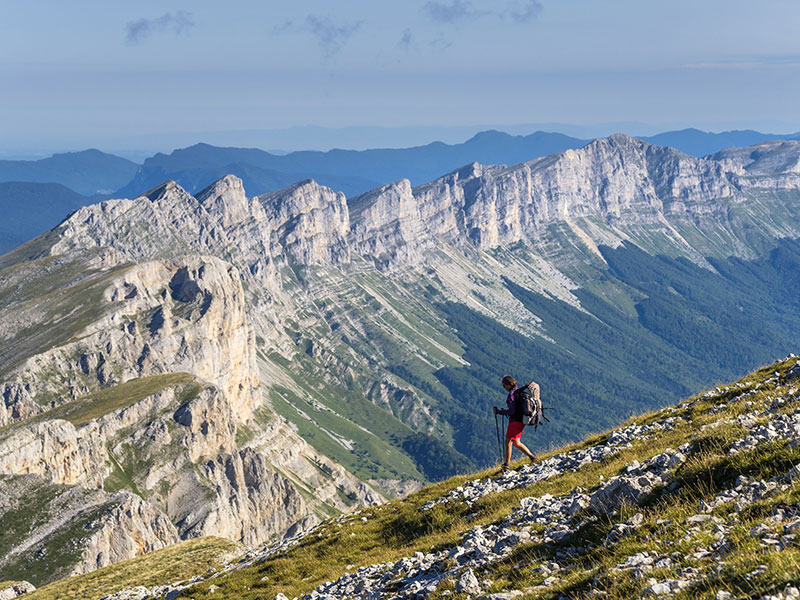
pixel 102 73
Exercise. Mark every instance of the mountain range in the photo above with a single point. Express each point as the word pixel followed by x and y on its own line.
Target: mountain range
pixel 178 365
pixel 97 175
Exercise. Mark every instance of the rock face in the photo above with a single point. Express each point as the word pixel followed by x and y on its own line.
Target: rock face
pixel 15 590
pixel 387 226
pixel 764 160
pixel 617 181
pixel 131 528
pixel 150 388
pixel 308 223
pixel 95 528
pixel 55 450
pixel 158 317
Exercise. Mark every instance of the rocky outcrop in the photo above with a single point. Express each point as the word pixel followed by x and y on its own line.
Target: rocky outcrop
pixel 43 521
pixel 251 503
pixel 308 223
pixel 153 318
pixel 387 227
pixel 130 528
pixel 15 590
pixel 154 225
pixel 57 451
pixel 16 403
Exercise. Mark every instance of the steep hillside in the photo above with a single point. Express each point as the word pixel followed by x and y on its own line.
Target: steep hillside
pixel 700 499
pixel 140 394
pixel 244 366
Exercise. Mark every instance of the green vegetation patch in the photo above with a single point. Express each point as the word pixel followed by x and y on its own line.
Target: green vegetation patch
pixel 98 404
pixel 175 563
pixel 121 396
pixel 360 451
pixel 119 479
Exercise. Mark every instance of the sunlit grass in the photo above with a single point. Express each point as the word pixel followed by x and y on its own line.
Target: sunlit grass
pixel 176 563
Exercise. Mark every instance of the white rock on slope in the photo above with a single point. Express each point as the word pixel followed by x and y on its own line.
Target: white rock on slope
pixel 15 590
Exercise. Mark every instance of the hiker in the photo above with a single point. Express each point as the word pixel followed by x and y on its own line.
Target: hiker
pixel 516 400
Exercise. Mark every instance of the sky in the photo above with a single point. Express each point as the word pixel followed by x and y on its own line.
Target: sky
pixel 119 75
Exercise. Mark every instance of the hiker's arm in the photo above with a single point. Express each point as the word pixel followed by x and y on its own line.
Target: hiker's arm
pixel 512 407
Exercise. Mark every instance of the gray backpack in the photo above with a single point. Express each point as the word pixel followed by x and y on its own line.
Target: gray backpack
pixel 532 409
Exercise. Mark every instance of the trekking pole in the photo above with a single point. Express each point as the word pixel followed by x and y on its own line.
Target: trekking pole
pixel 502 438
pixel 499 443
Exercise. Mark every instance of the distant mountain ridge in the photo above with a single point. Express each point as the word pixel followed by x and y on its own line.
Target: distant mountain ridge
pixel 89 172
pixel 702 143
pixel 94 174
pixel 350 171
pixel 28 209
pixel 356 171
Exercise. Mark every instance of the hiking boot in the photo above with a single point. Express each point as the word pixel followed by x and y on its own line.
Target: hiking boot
pixel 532 459
pixel 503 469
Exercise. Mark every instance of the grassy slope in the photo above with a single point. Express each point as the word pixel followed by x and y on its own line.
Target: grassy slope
pixel 179 562
pixel 399 529
pixel 93 406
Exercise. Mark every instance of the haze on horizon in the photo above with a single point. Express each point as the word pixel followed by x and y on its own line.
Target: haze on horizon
pixel 126 76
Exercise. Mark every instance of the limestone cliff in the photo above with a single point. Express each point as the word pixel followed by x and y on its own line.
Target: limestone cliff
pixel 152 318
pixel 308 223
pixel 387 226
pixel 147 390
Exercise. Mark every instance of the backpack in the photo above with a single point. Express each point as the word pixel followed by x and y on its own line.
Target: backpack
pixel 531 406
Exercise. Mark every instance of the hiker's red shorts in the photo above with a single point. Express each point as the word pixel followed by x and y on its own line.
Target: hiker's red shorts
pixel 514 431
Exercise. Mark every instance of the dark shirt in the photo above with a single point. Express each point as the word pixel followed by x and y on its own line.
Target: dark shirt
pixel 515 402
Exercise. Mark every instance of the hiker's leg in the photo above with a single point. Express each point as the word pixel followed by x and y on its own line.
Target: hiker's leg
pixel 512 433
pixel 523 448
